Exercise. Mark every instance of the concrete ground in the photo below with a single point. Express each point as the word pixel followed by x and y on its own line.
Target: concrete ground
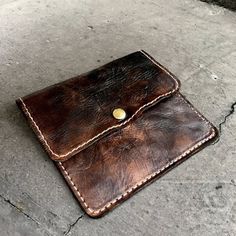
pixel 43 42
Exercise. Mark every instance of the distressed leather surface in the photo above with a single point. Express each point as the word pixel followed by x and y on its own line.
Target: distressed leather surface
pixel 75 113
pixel 112 168
pixel 103 160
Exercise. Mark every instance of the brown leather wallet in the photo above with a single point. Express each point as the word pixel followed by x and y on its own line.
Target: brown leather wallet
pixel 115 129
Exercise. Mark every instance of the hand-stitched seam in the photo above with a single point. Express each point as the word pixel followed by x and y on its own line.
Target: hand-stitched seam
pixel 106 130
pixel 159 65
pixel 36 126
pixel 109 204
pixel 140 183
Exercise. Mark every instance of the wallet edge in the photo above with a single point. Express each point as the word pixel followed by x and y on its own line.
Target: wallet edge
pixel 63 157
pixel 95 213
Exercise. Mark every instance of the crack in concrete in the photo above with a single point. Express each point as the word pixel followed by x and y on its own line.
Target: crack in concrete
pixel 19 209
pixel 227 116
pixel 73 224
pixel 231 112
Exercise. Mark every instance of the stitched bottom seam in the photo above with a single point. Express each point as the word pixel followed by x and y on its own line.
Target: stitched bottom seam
pixel 137 185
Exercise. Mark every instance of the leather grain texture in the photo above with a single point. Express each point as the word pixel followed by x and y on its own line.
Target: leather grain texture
pixel 103 160
pixel 108 172
pixel 70 116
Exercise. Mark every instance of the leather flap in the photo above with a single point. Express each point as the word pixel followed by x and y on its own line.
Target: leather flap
pixel 70 116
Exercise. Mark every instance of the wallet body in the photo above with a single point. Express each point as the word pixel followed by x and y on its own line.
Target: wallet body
pixel 105 160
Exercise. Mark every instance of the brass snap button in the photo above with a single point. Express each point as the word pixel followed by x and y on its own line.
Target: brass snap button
pixel 119 114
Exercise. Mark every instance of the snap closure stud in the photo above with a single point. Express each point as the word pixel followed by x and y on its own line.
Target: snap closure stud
pixel 119 114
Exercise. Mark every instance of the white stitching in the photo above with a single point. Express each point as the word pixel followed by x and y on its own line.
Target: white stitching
pixel 142 182
pixel 43 139
pixel 96 136
pixel 35 125
pixel 109 204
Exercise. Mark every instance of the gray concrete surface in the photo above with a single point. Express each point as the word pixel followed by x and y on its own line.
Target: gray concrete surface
pixel 43 42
